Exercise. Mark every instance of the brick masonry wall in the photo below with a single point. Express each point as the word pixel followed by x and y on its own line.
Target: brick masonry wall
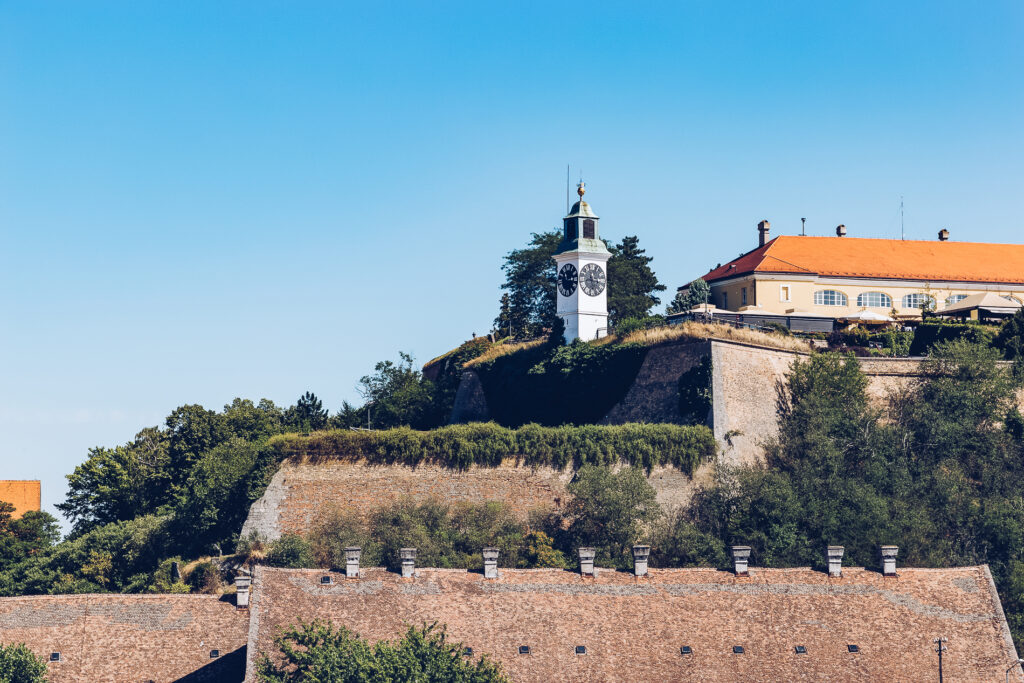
pixel 746 381
pixel 302 492
pixel 130 637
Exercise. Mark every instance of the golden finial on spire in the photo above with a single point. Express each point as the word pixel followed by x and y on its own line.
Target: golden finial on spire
pixel 580 189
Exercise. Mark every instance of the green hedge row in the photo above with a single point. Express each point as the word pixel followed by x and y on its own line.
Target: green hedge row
pixel 459 446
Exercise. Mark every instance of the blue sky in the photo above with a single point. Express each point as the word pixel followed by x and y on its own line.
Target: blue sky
pixel 207 200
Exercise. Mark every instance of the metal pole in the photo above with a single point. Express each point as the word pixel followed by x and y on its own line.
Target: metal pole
pixel 940 647
pixel 1012 667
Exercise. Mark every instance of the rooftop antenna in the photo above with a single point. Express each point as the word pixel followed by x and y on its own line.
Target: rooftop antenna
pixel 803 227
pixel 902 234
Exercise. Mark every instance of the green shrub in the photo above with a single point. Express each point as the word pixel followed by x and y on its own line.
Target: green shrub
pixel 459 446
pixel 629 325
pixel 695 394
pixel 204 578
pixel 19 665
pixel 292 551
pixel 934 331
pixel 336 530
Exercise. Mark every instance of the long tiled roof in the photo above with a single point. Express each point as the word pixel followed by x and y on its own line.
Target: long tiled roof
pixel 881 258
pixel 633 628
pixel 130 637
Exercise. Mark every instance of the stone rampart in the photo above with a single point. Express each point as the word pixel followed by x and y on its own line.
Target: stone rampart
pixel 303 491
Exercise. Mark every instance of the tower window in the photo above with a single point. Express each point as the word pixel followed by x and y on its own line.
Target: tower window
pixel 570 229
pixel 588 229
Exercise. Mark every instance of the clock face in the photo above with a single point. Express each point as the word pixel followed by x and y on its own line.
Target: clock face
pixel 592 279
pixel 567 279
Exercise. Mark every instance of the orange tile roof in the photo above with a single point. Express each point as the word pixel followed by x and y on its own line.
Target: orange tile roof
pixel 881 258
pixel 633 628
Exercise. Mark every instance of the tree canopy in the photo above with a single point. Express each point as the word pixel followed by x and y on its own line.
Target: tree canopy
pixel 321 651
pixel 632 285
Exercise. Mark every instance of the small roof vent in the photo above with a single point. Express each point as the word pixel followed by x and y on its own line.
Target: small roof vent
pixel 524 649
pixel 581 649
pixel 214 654
pixel 468 652
pixel 801 650
pixel 943 235
pixel 325 579
pixel 852 648
pixel 54 656
pixel 686 650
pixel 840 231
pixel 737 649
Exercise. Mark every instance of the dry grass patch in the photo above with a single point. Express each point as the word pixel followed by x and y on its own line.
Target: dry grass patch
pixel 499 350
pixel 695 330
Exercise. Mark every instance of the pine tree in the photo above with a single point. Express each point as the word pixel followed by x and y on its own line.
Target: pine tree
pixel 631 282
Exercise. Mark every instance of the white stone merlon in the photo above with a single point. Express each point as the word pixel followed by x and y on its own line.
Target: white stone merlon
pixel 888 553
pixel 587 561
pixel 640 555
pixel 740 557
pixel 352 555
pixel 490 562
pixel 834 555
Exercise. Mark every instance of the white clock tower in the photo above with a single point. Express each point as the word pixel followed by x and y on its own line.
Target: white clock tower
pixel 581 261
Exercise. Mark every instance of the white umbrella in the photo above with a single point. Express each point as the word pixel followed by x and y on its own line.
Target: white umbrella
pixel 867 316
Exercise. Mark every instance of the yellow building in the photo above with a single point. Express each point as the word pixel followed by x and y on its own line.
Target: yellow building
pixel 842 277
pixel 23 495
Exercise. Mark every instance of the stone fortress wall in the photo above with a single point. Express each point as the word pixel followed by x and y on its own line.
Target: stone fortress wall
pixel 746 381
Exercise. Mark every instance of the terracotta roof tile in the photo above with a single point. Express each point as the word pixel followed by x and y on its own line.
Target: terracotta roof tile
pixel 881 258
pixel 130 637
pixel 633 628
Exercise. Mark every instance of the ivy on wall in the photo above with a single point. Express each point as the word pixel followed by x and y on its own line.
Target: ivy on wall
pixel 554 385
pixel 459 446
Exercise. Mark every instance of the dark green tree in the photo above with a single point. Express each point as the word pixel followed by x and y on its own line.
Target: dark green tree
pixel 396 394
pixel 319 651
pixel 699 292
pixel 530 282
pixel 1011 336
pixel 191 431
pixel 119 483
pixel 307 415
pixel 632 285
pixel 19 665
pixel 253 422
pixel 610 511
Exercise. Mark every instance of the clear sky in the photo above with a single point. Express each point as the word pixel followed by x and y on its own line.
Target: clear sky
pixel 203 200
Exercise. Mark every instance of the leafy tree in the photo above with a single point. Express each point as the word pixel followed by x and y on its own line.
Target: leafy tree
pixel 396 394
pixel 291 550
pixel 698 292
pixel 632 285
pixel 253 422
pixel 319 651
pixel 211 505
pixel 503 323
pixel 191 431
pixel 307 415
pixel 1011 336
pixel 530 282
pixel 118 483
pixel 610 511
pixel 19 665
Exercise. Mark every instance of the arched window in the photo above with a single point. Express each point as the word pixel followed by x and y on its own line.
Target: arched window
pixel 829 297
pixel 955 299
pixel 874 300
pixel 918 300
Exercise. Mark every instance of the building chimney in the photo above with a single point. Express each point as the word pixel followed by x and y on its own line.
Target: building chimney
pixel 762 231
pixel 408 558
pixel 242 583
pixel 889 559
pixel 587 561
pixel 740 555
pixel 943 235
pixel 640 555
pixel 840 231
pixel 352 555
pixel 834 555
pixel 490 562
